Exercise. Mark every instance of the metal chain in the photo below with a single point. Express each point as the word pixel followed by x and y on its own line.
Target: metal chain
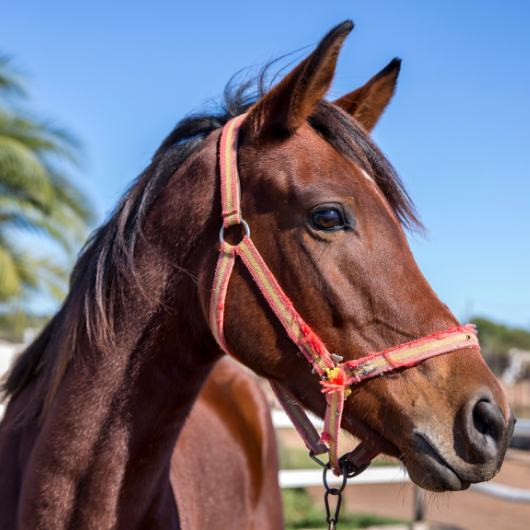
pixel 332 521
pixel 336 492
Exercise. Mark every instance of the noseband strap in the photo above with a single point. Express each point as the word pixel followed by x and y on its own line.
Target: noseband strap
pixel 336 378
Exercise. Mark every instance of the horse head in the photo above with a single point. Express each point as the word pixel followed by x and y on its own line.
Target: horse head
pixel 327 213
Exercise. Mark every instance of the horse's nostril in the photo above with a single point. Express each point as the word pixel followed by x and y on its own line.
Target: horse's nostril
pixel 485 429
pixel 482 418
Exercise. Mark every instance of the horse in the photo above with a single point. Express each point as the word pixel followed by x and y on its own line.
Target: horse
pixel 226 456
pixel 99 400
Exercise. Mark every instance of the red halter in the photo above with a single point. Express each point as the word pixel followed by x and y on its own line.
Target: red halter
pixel 336 377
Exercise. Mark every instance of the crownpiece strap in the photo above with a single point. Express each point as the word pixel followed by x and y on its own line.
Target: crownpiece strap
pixel 230 192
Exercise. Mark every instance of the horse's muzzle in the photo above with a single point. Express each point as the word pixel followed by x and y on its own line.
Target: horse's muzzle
pixel 441 459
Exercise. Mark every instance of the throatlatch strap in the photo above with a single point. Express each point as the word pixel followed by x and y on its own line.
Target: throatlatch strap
pixel 336 378
pixel 299 419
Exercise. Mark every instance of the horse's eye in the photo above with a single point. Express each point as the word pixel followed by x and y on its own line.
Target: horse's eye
pixel 327 219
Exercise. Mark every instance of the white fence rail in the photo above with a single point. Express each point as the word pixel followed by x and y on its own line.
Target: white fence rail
pixel 303 478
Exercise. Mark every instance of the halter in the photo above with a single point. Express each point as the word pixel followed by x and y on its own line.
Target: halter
pixel 336 377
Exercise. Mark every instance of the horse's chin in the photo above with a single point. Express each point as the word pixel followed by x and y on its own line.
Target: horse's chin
pixel 428 469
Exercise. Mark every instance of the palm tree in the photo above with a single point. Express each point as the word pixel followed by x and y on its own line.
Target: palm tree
pixel 35 195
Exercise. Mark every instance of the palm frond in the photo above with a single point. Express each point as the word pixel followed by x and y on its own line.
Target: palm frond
pixel 23 273
pixel 10 282
pixel 71 196
pixel 36 196
pixel 21 170
pixel 42 136
pixel 11 79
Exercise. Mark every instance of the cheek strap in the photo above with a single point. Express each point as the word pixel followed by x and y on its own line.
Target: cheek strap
pixel 336 378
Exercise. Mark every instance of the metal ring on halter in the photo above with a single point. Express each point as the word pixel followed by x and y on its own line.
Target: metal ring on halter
pixel 336 491
pixel 222 232
pixel 318 461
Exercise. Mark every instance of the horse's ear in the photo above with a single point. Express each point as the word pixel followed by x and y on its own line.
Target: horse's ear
pixel 366 104
pixel 287 105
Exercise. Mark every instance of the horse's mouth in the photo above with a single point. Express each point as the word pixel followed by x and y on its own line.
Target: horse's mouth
pixel 425 462
pixel 429 470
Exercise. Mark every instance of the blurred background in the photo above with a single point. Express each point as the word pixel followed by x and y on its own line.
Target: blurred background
pixel 89 90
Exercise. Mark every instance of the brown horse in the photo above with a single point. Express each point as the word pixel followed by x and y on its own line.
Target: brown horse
pixel 225 459
pixel 100 398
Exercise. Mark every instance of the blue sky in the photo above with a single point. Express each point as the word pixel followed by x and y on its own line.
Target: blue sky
pixel 121 74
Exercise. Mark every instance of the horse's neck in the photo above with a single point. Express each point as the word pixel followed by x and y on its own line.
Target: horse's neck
pixel 101 458
pixel 104 449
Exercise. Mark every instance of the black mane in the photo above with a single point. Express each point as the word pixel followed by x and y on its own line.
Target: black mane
pixel 105 268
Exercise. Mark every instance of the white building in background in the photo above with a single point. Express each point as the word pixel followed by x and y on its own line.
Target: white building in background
pixel 518 360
